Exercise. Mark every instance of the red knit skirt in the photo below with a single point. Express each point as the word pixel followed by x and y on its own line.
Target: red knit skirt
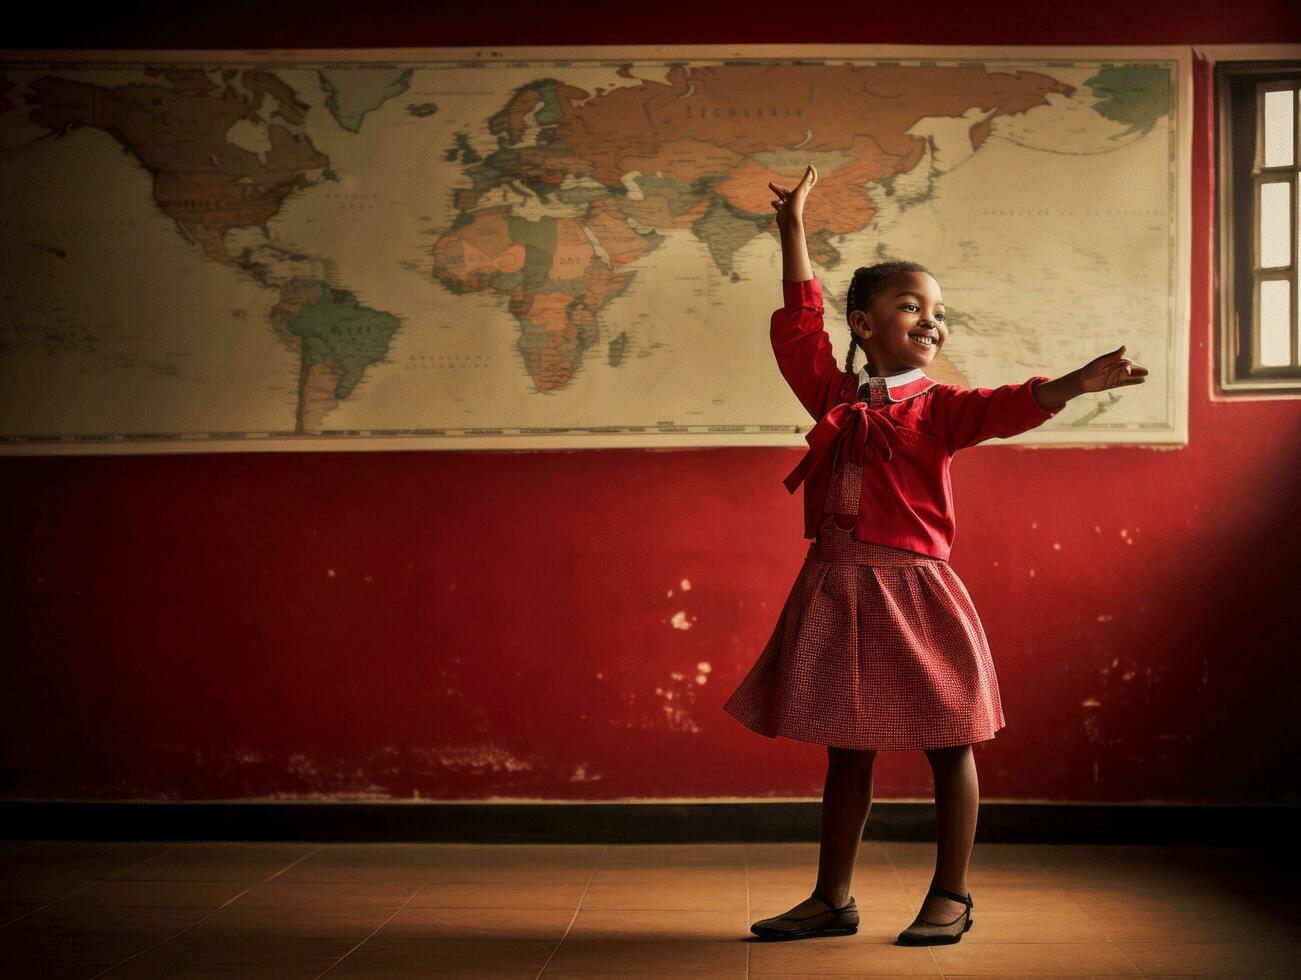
pixel 875 648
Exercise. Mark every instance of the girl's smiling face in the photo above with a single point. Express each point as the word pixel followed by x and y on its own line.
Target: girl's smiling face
pixel 895 330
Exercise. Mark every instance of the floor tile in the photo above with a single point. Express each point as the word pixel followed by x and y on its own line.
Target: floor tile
pixel 372 863
pixel 1206 920
pixel 11 912
pixel 82 860
pixel 525 856
pixel 1216 959
pixel 236 955
pixel 104 922
pixel 1032 959
pixel 659 925
pixel 869 951
pixel 1055 921
pixel 157 894
pixel 64 956
pixel 33 887
pixel 561 895
pixel 667 895
pixel 314 894
pixel 317 922
pixel 505 924
pixel 618 957
pixel 505 875
pixel 675 855
pixel 442 957
pixel 224 862
pixel 918 971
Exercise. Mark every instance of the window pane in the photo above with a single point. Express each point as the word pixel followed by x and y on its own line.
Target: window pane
pixel 1278 129
pixel 1275 345
pixel 1275 233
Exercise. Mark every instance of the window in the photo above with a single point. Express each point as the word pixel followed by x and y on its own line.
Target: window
pixel 1258 129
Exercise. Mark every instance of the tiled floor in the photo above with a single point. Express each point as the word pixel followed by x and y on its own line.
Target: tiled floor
pixel 387 910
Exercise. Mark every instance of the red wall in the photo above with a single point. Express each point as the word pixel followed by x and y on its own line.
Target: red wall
pixel 488 625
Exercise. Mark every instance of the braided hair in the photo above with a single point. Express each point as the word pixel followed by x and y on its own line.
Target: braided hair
pixel 865 286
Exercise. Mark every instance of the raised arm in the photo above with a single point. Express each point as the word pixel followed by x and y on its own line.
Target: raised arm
pixel 803 351
pixel 799 341
pixel 790 222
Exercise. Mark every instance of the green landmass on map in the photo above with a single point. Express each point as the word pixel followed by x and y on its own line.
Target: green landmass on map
pixel 334 327
pixel 1134 97
pixel 352 93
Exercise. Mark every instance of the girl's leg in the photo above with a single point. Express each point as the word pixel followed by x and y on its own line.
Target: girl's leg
pixel 957 801
pixel 846 800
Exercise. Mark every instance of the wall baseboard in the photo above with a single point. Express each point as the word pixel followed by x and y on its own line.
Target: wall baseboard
pixel 626 823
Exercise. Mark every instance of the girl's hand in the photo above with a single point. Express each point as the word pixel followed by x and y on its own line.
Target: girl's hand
pixel 790 204
pixel 1111 371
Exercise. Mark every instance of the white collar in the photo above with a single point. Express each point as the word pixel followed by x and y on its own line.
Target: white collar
pixel 895 387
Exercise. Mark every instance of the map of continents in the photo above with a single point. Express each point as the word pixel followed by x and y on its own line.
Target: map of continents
pixel 490 254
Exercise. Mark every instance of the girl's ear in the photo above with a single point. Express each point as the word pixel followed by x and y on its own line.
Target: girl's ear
pixel 861 323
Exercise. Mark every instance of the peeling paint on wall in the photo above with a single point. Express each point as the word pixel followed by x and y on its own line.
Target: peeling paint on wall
pixel 680 620
pixel 580 775
pixel 678 719
pixel 678 704
pixel 485 756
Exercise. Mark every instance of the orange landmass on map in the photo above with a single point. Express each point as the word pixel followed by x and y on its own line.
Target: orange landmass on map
pixel 710 120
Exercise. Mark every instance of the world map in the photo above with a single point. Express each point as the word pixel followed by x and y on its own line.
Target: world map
pixel 558 252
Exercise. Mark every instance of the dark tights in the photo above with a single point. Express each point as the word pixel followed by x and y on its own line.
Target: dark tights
pixel 847 798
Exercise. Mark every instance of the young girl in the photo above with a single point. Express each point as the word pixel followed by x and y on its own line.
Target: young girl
pixel 878 646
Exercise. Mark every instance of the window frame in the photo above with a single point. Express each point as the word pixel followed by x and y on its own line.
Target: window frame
pixel 1239 88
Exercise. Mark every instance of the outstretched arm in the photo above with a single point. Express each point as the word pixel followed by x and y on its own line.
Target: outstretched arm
pixel 1105 371
pixel 969 416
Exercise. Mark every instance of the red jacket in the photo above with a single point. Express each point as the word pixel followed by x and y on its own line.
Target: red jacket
pixel 904 434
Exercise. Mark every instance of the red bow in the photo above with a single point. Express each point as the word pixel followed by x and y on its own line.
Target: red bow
pixel 846 421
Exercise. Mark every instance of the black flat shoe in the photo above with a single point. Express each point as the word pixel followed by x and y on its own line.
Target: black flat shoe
pixel 832 921
pixel 938 933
